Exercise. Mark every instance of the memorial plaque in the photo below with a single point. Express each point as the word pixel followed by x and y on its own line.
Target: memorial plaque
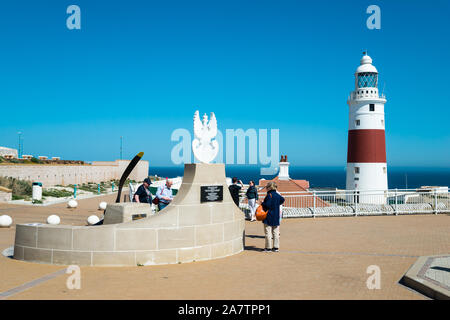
pixel 211 193
pixel 138 216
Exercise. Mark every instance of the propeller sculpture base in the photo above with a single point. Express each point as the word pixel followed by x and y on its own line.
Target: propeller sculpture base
pixel 189 229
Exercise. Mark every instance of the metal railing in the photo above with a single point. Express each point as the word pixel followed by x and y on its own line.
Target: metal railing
pixel 331 203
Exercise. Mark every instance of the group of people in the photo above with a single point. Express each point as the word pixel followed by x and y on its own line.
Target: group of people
pixel 164 194
pixel 271 204
pixel 251 194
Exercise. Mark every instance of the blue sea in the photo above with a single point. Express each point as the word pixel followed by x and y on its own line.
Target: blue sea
pixel 330 177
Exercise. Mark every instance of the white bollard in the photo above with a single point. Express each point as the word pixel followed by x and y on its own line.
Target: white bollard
pixel 5 221
pixel 92 220
pixel 72 204
pixel 102 205
pixel 53 219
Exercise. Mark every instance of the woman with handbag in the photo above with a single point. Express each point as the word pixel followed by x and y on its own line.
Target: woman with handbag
pixel 271 205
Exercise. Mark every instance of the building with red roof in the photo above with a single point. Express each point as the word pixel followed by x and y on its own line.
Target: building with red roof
pixel 295 192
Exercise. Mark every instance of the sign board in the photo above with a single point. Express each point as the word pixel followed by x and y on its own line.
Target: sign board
pixel 138 216
pixel 211 193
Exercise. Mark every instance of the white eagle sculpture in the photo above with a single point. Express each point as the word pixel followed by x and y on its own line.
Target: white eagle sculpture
pixel 205 149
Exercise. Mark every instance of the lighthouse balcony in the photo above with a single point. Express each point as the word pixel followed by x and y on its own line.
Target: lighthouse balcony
pixel 366 93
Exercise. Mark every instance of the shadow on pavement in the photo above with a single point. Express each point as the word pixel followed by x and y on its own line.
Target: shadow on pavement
pixel 254 236
pixel 252 248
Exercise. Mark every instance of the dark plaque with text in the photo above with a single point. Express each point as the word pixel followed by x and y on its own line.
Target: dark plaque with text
pixel 211 193
pixel 138 216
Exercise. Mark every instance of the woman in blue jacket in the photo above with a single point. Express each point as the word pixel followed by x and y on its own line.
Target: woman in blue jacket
pixel 271 204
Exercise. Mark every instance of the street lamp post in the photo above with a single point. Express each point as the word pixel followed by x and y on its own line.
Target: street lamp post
pixel 121 145
pixel 19 151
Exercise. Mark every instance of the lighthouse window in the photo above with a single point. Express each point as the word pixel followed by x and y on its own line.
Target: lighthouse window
pixel 356 179
pixel 356 169
pixel 372 107
pixel 358 122
pixel 384 169
pixel 367 79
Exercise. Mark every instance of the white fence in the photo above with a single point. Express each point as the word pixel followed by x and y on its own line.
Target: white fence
pixel 356 202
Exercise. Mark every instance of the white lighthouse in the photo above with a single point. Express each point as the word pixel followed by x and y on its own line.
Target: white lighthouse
pixel 366 154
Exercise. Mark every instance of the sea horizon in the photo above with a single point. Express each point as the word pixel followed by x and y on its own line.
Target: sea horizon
pixel 401 177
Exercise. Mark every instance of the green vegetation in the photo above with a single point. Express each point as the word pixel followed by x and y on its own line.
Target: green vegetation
pixel 25 161
pixel 56 193
pixel 36 160
pixel 21 189
pixel 93 187
pixel 17 197
pixel 90 187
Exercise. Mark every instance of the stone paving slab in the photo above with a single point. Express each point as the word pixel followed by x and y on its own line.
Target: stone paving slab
pixel 318 259
pixel 430 275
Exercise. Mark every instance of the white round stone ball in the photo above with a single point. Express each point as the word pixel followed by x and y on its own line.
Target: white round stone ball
pixel 5 221
pixel 53 219
pixel 102 205
pixel 72 204
pixel 92 220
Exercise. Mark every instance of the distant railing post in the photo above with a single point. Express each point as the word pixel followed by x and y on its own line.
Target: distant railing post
pixel 395 206
pixel 314 201
pixel 435 202
pixel 74 191
pixel 356 199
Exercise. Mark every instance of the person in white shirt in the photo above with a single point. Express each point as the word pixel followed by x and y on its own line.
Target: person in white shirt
pixel 164 194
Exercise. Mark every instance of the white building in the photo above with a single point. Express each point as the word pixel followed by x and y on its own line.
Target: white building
pixel 8 152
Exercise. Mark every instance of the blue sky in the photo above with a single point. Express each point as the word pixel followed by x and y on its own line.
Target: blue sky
pixel 139 69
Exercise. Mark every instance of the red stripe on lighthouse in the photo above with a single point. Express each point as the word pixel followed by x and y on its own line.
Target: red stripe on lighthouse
pixel 366 145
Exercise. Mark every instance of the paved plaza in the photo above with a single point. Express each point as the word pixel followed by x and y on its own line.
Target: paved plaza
pixel 322 258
